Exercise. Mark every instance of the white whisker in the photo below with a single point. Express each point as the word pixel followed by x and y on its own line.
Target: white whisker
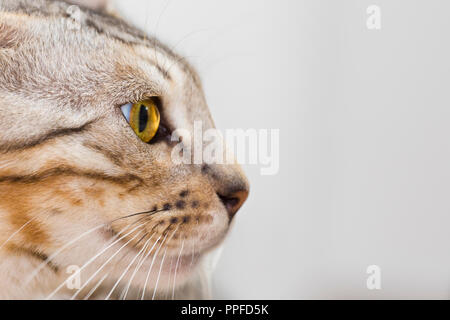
pixel 20 229
pixel 107 261
pixel 67 245
pixel 176 268
pixel 159 274
pixel 151 266
pixel 170 277
pixel 50 258
pixel 162 262
pixel 92 259
pixel 153 261
pixel 193 249
pixel 95 287
pixel 125 272
pixel 138 266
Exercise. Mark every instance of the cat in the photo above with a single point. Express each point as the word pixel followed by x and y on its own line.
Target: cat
pixel 91 204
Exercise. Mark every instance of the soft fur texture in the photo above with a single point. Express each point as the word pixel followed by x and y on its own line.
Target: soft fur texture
pixel 72 171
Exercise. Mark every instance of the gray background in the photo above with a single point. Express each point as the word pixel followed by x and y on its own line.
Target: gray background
pixel 364 117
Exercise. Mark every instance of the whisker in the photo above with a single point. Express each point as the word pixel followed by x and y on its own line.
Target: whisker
pixel 109 259
pixel 138 266
pixel 193 249
pixel 95 257
pixel 150 269
pixel 20 229
pixel 151 249
pixel 162 262
pixel 125 272
pixel 67 245
pixel 176 61
pixel 153 212
pixel 95 287
pixel 151 266
pixel 50 258
pixel 170 277
pixel 157 26
pixel 176 268
pixel 159 274
pixel 187 36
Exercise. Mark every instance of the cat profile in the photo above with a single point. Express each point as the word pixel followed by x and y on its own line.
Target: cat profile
pixel 91 204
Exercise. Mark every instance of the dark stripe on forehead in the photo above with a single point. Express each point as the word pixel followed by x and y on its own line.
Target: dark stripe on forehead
pixel 65 171
pixel 164 72
pixel 46 138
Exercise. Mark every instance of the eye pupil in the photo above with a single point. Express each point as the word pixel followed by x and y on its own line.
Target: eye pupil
pixel 143 118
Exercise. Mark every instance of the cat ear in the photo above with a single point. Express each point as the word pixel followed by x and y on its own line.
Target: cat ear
pixel 97 5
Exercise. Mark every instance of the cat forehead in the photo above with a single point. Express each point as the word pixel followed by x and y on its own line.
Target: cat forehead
pixel 103 24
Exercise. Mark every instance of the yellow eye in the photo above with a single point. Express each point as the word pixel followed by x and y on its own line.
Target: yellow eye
pixel 144 118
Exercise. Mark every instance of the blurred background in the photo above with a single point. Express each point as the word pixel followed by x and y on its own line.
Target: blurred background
pixel 364 120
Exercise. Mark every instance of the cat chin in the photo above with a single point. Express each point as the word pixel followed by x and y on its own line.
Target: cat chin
pixel 175 272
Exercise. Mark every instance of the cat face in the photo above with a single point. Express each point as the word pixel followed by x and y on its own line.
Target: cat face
pixel 78 187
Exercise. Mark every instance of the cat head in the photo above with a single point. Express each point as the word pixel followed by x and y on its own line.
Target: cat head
pixel 80 182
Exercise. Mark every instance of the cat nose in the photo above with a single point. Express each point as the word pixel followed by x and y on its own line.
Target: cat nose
pixel 230 184
pixel 233 202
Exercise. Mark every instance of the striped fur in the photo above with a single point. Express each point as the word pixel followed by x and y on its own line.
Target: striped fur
pixel 69 161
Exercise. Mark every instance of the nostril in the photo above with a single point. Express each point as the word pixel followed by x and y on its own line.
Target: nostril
pixel 229 203
pixel 233 202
